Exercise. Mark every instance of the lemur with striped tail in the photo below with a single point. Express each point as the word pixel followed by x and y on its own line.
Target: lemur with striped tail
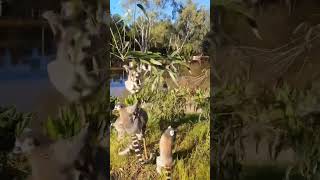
pixel 132 120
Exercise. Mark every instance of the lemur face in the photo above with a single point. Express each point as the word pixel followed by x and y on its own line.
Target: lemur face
pixel 172 132
pixel 25 143
pixel 25 146
pixel 119 106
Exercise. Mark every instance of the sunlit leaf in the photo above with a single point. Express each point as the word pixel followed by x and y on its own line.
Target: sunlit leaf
pixel 144 61
pixel 173 77
pixel 155 62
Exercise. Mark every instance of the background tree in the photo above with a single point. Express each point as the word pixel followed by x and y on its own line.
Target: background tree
pixel 180 30
pixel 191 27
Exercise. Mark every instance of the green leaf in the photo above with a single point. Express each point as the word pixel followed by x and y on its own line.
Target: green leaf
pixel 155 62
pixel 154 84
pixel 144 61
pixel 181 63
pixel 23 124
pixel 174 53
pixel 173 77
pixel 51 129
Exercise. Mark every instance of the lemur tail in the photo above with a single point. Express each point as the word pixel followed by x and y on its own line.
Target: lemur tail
pixel 137 147
pixel 167 172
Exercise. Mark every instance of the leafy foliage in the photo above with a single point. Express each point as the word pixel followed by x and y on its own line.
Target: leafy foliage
pixel 69 123
pixel 171 108
pixel 12 123
pixel 153 28
pixel 192 26
pixel 285 116
pixel 159 66
pixel 202 101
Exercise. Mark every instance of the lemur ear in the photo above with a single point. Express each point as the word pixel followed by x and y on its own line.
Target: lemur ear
pixel 169 127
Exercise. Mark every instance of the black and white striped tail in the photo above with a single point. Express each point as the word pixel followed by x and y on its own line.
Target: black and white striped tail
pixel 167 171
pixel 137 148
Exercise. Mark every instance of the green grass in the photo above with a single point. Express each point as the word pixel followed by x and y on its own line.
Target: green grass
pixel 191 152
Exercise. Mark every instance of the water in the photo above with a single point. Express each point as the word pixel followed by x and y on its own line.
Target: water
pixel 117 86
pixel 22 87
pixel 27 87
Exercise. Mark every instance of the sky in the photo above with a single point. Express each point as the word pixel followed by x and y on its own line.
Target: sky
pixel 116 8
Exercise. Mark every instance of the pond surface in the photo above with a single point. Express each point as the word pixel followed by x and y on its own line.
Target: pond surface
pixel 15 84
pixel 30 90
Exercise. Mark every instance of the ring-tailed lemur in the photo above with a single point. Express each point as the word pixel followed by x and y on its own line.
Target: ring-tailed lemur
pixel 165 160
pixel 133 84
pixel 74 72
pixel 132 120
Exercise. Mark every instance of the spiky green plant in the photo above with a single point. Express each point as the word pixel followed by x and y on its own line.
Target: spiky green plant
pixel 12 123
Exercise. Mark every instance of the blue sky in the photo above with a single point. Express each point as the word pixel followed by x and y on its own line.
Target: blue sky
pixel 116 8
